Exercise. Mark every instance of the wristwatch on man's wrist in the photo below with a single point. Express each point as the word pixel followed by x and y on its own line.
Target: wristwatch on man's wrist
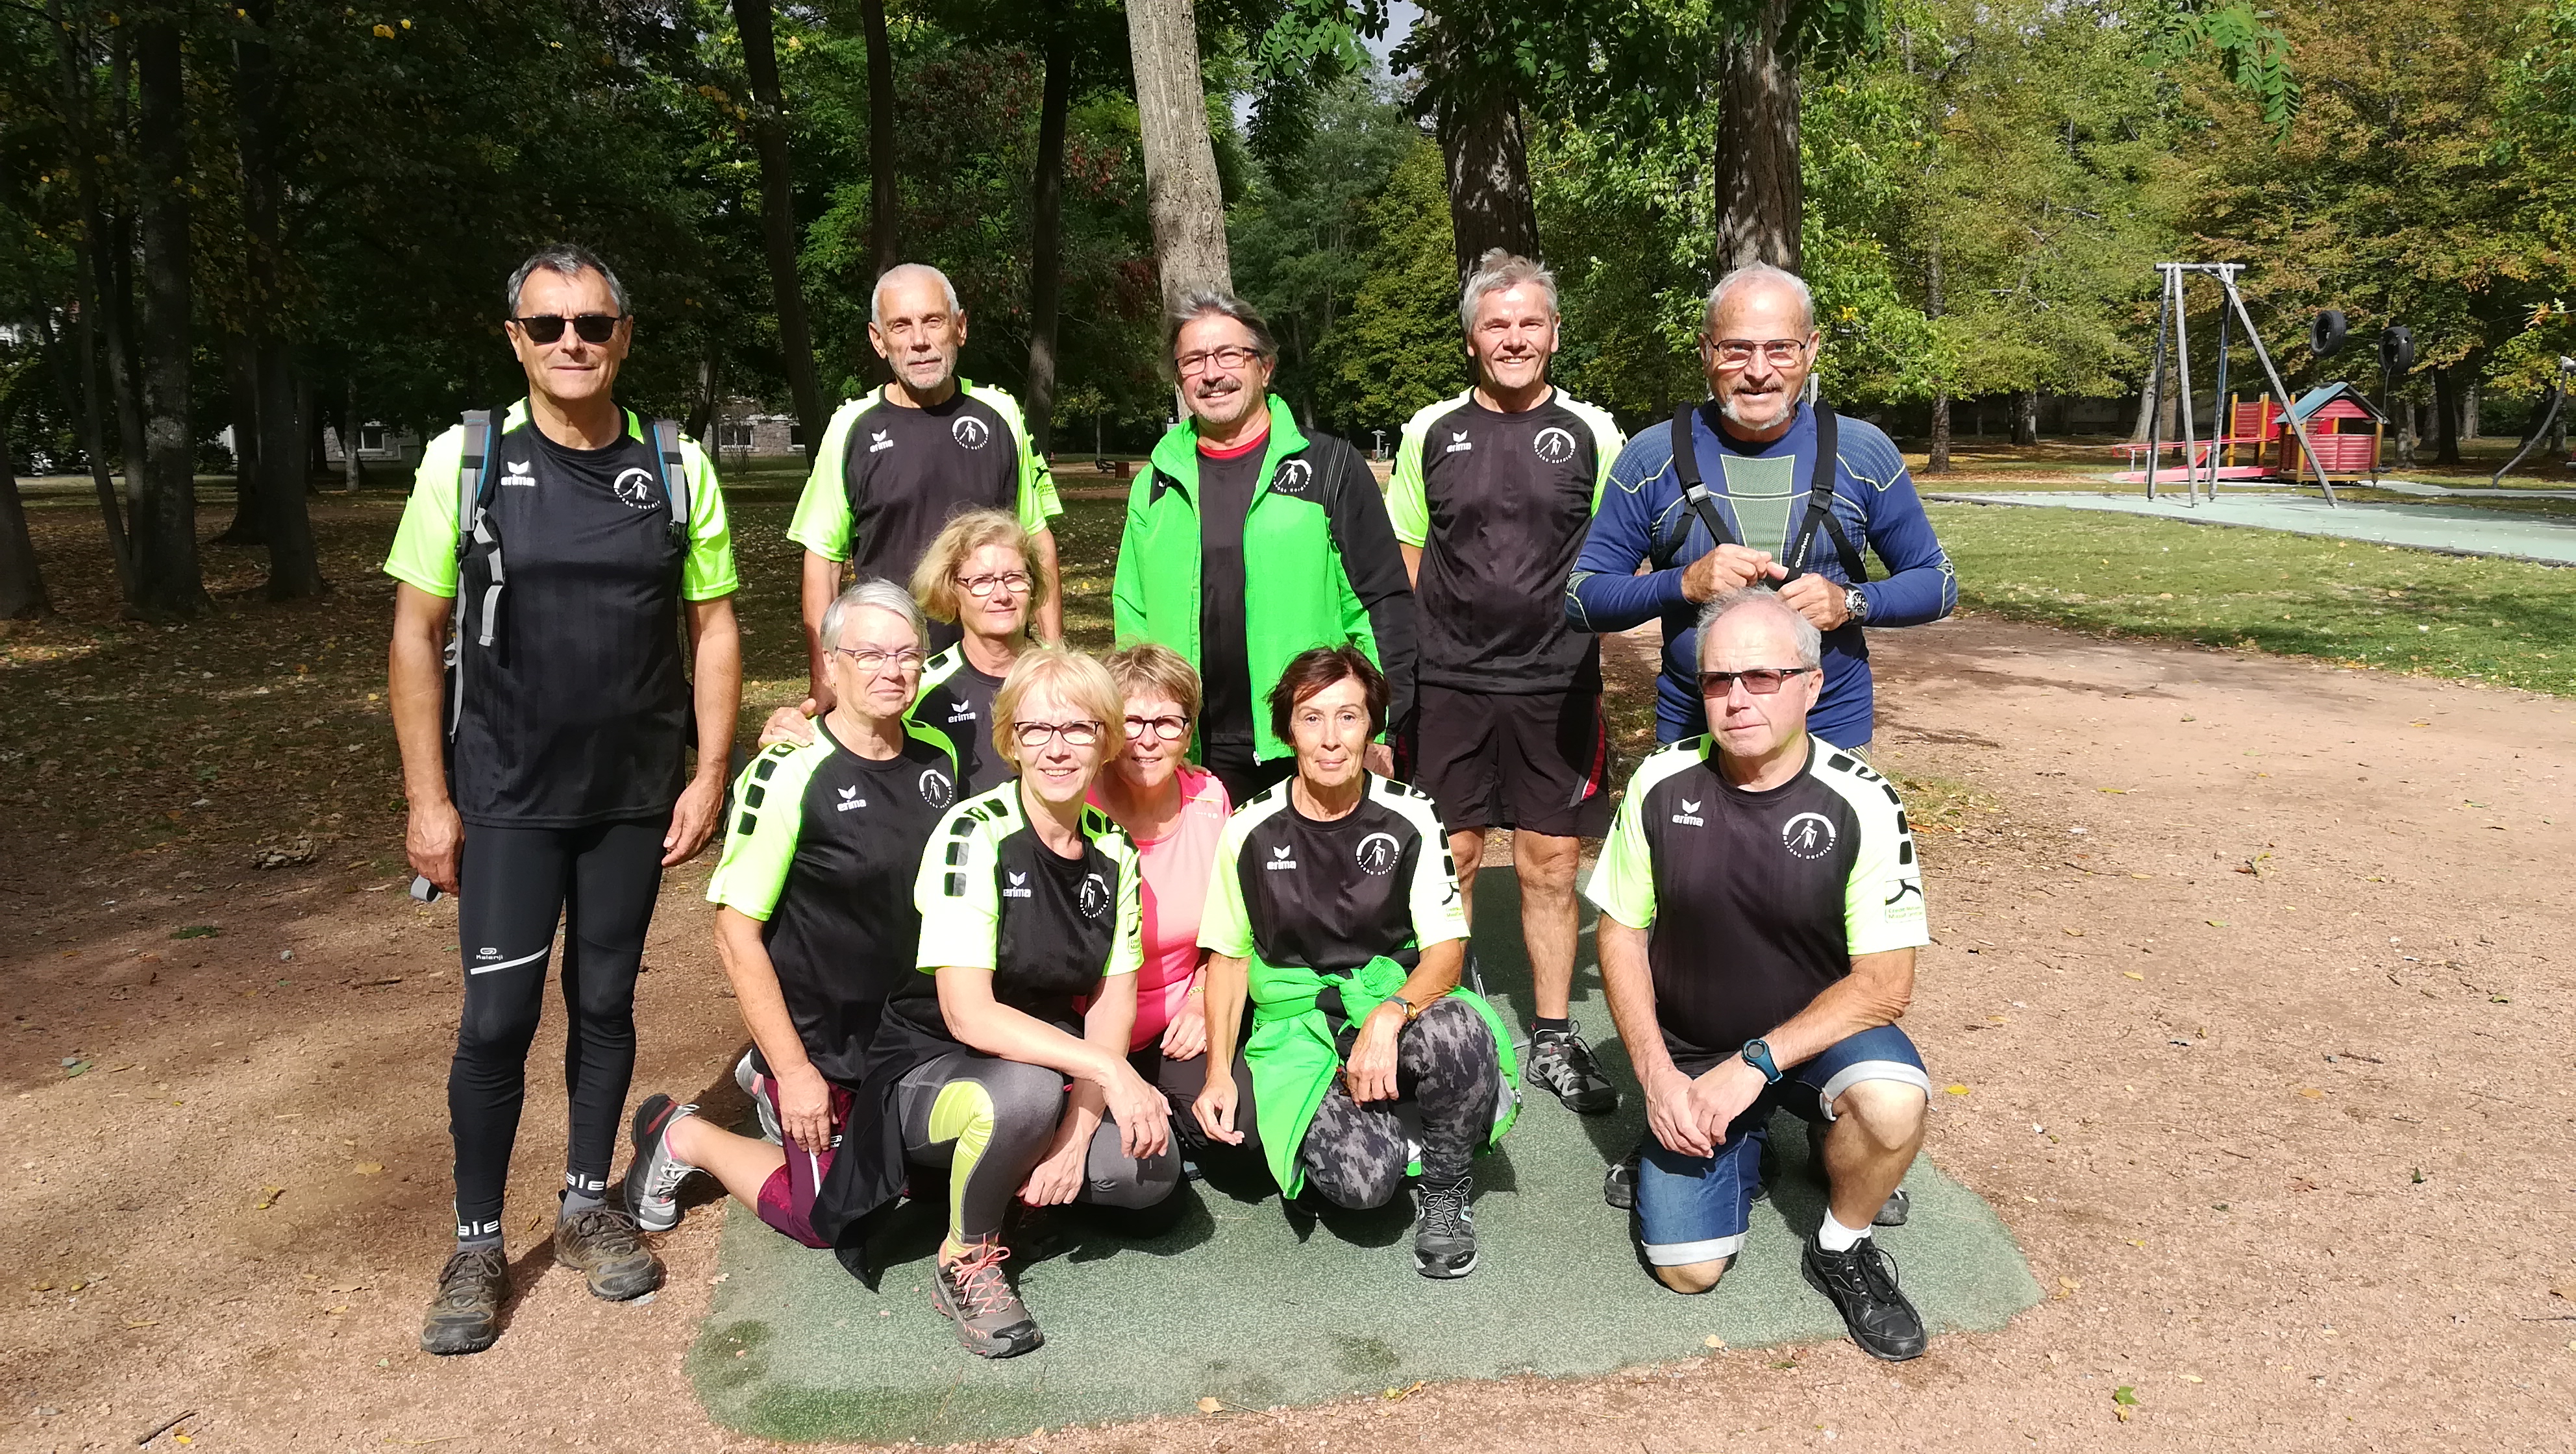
pixel 1855 603
pixel 1757 1053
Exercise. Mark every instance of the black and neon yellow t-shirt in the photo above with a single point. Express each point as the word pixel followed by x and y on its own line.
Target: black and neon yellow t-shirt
pixel 823 850
pixel 992 896
pixel 886 477
pixel 1755 902
pixel 577 712
pixel 957 700
pixel 1294 891
pixel 1498 504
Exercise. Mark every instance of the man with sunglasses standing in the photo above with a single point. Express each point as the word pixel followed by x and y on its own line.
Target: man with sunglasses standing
pixel 554 786
pixel 1757 485
pixel 1794 855
pixel 898 463
pixel 1250 540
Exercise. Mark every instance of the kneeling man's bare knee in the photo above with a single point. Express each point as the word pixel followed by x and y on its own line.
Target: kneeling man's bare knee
pixel 1694 1277
pixel 1888 1112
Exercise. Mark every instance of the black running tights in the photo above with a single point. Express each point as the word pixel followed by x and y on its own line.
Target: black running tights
pixel 515 885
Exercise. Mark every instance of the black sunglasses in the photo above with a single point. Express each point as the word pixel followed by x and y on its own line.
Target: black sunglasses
pixel 548 327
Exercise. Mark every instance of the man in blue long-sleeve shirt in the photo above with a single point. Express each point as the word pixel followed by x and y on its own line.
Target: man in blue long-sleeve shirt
pixel 1754 444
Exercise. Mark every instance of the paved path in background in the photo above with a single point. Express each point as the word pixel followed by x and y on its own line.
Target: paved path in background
pixel 2456 529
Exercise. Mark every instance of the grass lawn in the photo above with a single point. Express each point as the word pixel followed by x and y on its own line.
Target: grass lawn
pixel 2502 621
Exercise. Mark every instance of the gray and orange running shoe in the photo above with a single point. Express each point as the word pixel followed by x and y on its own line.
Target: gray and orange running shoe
pixel 972 1293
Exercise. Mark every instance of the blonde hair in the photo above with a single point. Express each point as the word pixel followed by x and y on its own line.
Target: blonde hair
pixel 1148 668
pixel 934 581
pixel 1077 677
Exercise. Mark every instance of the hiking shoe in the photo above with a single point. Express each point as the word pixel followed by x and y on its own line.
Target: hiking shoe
pixel 465 1314
pixel 601 1243
pixel 972 1293
pixel 1444 1229
pixel 1894 1211
pixel 1561 1064
pixel 653 1177
pixel 1862 1285
pixel 1619 1184
pixel 750 1079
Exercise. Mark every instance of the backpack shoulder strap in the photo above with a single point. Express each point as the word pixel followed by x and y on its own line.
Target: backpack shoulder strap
pixel 1694 488
pixel 1820 505
pixel 474 470
pixel 675 478
pixel 473 476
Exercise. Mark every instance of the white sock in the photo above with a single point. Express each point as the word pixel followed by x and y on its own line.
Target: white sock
pixel 1833 1236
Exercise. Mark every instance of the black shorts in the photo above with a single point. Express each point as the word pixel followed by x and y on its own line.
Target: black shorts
pixel 1498 760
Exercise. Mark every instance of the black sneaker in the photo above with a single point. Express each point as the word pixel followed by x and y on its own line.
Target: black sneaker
pixel 1894 1211
pixel 1561 1064
pixel 1444 1229
pixel 602 1244
pixel 1619 1184
pixel 654 1176
pixel 1862 1285
pixel 465 1315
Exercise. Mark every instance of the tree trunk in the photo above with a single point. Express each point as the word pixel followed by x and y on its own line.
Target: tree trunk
pixel 1181 192
pixel 2469 411
pixel 353 470
pixel 2026 417
pixel 2402 412
pixel 1938 463
pixel 702 401
pixel 169 581
pixel 882 204
pixel 779 233
pixel 1046 230
pixel 1760 194
pixel 285 524
pixel 102 244
pixel 22 584
pixel 81 397
pixel 1486 154
pixel 241 380
pixel 2446 418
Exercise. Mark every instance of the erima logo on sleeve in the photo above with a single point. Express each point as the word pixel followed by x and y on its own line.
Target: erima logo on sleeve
pixel 1554 445
pixel 850 799
pixel 1690 815
pixel 1019 888
pixel 517 474
pixel 880 439
pixel 1279 858
pixel 970 432
pixel 1458 442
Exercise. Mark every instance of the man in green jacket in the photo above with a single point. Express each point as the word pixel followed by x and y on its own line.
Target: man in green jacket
pixel 1235 484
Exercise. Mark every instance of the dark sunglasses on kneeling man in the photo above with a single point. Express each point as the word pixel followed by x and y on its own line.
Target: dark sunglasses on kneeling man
pixel 548 327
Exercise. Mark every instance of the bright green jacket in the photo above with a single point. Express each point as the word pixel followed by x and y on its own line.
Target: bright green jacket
pixel 1321 564
pixel 1293 1059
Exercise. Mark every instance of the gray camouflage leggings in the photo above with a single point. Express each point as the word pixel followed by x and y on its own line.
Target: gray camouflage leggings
pixel 1448 1068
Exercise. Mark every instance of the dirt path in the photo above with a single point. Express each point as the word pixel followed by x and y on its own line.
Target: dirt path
pixel 2304 1172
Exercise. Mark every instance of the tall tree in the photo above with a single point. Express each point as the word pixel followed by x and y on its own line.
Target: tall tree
pixel 1182 196
pixel 1046 227
pixel 285 524
pixel 169 581
pixel 883 205
pixel 22 583
pixel 1761 193
pixel 1476 113
pixel 779 231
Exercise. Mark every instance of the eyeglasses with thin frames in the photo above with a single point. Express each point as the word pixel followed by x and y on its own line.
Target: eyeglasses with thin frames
pixel 1736 353
pixel 870 661
pixel 1761 681
pixel 981 587
pixel 1038 734
pixel 1170 729
pixel 549 327
pixel 1228 358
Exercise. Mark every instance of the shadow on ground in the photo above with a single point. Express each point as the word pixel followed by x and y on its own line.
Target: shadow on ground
pixel 1229 1303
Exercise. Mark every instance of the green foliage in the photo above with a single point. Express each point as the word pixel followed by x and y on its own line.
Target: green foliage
pixel 1398 348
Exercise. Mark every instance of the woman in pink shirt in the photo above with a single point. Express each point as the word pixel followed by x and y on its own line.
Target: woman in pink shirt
pixel 1174 812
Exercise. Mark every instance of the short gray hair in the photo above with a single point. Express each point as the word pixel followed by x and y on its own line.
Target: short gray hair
pixel 905 272
pixel 571 261
pixel 882 594
pixel 1750 274
pixel 1807 641
pixel 1198 303
pixel 1499 271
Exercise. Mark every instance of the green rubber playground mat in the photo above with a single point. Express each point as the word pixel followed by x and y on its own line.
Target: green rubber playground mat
pixel 1245 1302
